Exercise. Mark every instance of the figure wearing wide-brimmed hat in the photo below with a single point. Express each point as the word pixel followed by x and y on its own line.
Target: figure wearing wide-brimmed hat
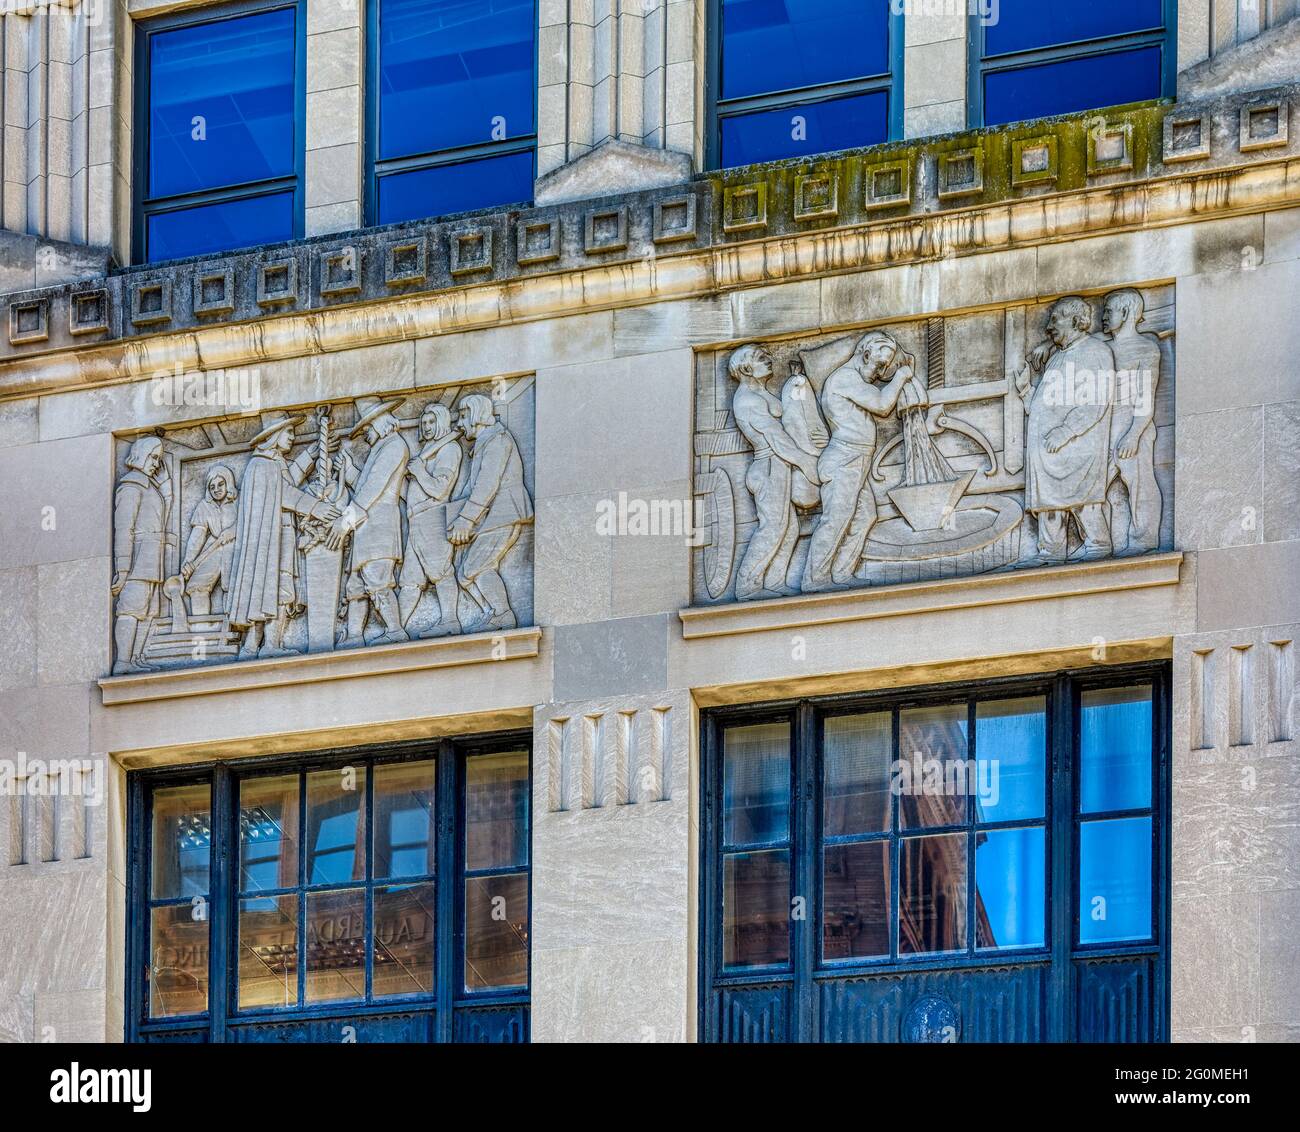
pixel 263 585
pixel 140 507
pixel 375 517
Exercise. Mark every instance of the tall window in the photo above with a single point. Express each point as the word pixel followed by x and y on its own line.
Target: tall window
pixel 219 130
pixel 799 77
pixel 1034 59
pixel 452 91
pixel 335 893
pixel 987 846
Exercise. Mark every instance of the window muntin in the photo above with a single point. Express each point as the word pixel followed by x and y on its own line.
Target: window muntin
pixel 496 871
pixel 803 77
pixel 453 115
pixel 178 901
pixel 1038 59
pixel 1115 815
pixel 220 130
pixel 756 845
pixel 332 892
pixel 898 878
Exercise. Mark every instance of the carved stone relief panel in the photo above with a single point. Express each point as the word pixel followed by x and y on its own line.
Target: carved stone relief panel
pixel 322 527
pixel 1032 435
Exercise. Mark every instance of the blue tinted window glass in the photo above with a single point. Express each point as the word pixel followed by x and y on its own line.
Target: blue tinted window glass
pixel 220 227
pixel 1010 888
pixel 1115 880
pixel 1011 749
pixel 453 73
pixel 1115 750
pixel 797 131
pixel 221 103
pixel 1071 84
pixel 1024 24
pixel 776 45
pixel 444 189
pixel 756 783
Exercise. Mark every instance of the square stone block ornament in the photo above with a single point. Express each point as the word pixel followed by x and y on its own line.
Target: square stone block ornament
pixel 383 519
pixel 936 447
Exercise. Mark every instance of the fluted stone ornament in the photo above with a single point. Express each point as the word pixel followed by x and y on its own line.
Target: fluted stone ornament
pixel 369 522
pixel 936 448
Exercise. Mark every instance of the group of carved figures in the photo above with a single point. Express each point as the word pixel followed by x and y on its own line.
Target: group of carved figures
pixel 323 533
pixel 1089 404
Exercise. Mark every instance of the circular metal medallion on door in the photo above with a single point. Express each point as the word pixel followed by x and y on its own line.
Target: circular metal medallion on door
pixel 931 1019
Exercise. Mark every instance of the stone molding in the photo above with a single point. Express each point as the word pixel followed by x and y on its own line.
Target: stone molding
pixel 312 668
pixel 1213 178
pixel 983 590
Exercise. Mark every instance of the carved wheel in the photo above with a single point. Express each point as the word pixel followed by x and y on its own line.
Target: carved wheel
pixel 719 544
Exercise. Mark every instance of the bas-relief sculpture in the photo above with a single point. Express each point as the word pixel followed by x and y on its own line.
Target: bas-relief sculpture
pixel 944 446
pixel 364 523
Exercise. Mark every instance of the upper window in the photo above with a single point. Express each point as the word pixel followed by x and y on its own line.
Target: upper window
pixel 452 86
pixel 338 892
pixel 799 77
pixel 1034 59
pixel 219 130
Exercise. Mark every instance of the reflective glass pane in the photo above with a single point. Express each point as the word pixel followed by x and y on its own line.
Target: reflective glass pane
pixel 798 131
pixel 1010 888
pixel 1115 749
pixel 756 909
pixel 1025 24
pixel 1072 84
pixel 496 810
pixel 933 775
pixel 336 825
pixel 178 960
pixel 855 901
pixel 221 103
pixel 496 931
pixel 336 945
pixel 404 939
pixel 932 894
pixel 268 833
pixel 856 758
pixel 404 822
pixel 182 840
pixel 245 223
pixel 1011 749
pixel 463 187
pixel 777 45
pixel 756 783
pixel 453 73
pixel 268 952
pixel 1115 880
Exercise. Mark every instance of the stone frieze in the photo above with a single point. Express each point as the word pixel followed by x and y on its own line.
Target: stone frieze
pixel 1028 436
pixel 325 527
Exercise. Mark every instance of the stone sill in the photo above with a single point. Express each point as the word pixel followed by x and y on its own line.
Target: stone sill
pixel 940 596
pixel 313 668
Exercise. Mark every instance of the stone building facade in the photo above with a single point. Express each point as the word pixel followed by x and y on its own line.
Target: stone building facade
pixel 671 445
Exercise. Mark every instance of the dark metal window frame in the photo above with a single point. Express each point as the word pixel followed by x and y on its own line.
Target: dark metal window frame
pixel 449 994
pixel 377 167
pixel 143 205
pixel 806 969
pixel 978 64
pixel 891 82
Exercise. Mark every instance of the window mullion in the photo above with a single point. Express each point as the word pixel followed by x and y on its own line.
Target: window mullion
pixel 222 948
pixel 446 807
pixel 805 868
pixel 1061 899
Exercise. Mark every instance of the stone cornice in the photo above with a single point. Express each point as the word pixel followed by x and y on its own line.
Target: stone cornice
pixel 311 668
pixel 1015 586
pixel 1142 167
